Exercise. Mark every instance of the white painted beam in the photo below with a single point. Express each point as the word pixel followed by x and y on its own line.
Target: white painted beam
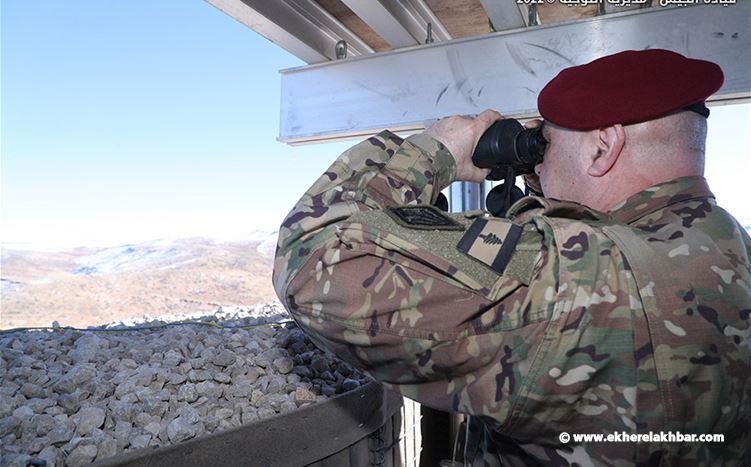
pixel 408 88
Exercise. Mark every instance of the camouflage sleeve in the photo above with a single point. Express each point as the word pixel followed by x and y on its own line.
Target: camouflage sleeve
pixel 384 170
pixel 396 305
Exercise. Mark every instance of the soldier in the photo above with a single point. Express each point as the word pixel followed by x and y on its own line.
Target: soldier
pixel 617 303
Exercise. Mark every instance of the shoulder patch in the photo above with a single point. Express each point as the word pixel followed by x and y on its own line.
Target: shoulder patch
pixel 505 247
pixel 423 217
pixel 491 243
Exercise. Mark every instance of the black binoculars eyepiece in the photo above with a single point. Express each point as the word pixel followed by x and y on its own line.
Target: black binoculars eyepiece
pixel 508 149
pixel 507 144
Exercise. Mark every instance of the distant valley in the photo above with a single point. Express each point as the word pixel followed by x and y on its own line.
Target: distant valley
pixel 90 286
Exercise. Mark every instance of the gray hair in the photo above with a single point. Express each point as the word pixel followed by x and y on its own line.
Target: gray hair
pixel 679 131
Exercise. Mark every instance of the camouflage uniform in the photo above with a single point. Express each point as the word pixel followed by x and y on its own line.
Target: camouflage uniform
pixel 635 320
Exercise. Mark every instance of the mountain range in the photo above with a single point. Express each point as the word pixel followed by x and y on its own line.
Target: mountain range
pixel 176 277
pixel 87 286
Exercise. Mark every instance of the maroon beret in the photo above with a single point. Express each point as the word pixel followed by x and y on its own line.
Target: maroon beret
pixel 627 87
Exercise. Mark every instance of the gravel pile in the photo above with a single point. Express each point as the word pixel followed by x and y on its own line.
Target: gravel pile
pixel 70 397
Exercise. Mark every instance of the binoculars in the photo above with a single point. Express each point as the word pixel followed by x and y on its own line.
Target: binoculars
pixel 508 149
pixel 508 145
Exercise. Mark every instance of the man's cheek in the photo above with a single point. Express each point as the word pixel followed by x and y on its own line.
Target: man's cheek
pixel 544 180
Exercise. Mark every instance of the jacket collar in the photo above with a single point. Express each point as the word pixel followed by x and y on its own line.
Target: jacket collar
pixel 660 196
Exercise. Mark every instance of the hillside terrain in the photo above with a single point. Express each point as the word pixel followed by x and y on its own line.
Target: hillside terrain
pixel 91 286
pixel 171 278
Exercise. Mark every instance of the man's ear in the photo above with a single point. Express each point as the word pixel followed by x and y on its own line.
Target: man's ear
pixel 609 143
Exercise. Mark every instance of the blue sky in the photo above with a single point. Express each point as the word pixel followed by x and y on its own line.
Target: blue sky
pixel 130 121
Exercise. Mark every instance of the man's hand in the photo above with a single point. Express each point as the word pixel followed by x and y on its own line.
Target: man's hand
pixel 533 180
pixel 460 135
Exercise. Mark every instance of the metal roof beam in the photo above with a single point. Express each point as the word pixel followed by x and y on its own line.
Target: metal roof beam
pixel 504 14
pixel 383 20
pixel 301 27
pixel 408 88
pixel 415 15
pixel 316 14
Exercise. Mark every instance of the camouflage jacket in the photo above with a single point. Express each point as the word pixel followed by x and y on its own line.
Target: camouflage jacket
pixel 558 319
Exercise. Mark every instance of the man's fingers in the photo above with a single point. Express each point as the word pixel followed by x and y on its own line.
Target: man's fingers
pixel 488 117
pixel 533 123
pixel 480 174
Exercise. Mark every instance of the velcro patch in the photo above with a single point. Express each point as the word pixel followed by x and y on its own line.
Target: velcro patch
pixel 491 243
pixel 423 217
